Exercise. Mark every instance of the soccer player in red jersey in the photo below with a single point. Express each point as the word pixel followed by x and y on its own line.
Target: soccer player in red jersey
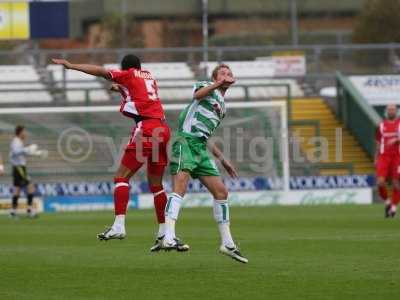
pixel 148 143
pixel 387 159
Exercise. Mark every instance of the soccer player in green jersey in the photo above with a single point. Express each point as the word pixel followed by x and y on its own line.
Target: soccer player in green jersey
pixel 191 158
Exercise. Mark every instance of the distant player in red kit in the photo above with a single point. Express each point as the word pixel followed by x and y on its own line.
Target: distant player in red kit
pixel 148 143
pixel 387 159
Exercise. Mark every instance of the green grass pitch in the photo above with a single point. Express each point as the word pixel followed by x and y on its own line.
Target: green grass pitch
pixel 324 252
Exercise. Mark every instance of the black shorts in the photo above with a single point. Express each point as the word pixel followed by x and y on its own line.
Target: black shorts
pixel 20 176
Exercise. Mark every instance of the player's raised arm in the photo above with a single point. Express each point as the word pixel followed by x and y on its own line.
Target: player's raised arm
pixel 94 70
pixel 203 92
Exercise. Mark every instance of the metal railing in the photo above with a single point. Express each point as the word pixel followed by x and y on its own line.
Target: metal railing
pixel 349 58
pixel 356 114
pixel 58 88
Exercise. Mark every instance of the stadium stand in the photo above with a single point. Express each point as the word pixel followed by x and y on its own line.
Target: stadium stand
pixel 175 70
pixel 353 153
pixel 22 84
pixel 175 83
pixel 79 85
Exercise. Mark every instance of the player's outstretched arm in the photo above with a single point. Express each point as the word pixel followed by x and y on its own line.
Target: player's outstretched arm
pixel 225 163
pixel 94 70
pixel 205 91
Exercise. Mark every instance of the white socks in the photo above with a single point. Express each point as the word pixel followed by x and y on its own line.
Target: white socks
pixel 119 223
pixel 171 215
pixel 221 216
pixel 161 230
pixel 221 211
pixel 173 206
pixel 226 237
pixel 169 229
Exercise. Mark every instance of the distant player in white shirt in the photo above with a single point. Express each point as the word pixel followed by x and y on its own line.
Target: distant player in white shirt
pixel 21 179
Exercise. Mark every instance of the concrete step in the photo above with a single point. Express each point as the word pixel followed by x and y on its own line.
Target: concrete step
pixel 316 109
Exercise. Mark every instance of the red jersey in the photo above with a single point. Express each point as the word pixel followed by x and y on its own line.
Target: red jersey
pixel 139 93
pixel 386 135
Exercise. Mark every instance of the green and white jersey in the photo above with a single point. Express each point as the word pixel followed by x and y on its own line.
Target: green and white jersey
pixel 201 117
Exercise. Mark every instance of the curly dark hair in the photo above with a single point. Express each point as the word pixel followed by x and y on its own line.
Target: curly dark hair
pixel 130 61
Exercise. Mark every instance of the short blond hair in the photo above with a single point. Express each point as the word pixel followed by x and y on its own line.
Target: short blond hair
pixel 217 68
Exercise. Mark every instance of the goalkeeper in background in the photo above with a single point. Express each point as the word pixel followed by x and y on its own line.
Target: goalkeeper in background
pixel 21 179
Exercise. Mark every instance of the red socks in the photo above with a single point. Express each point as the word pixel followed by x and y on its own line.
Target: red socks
pixel 121 195
pixel 121 198
pixel 160 201
pixel 383 193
